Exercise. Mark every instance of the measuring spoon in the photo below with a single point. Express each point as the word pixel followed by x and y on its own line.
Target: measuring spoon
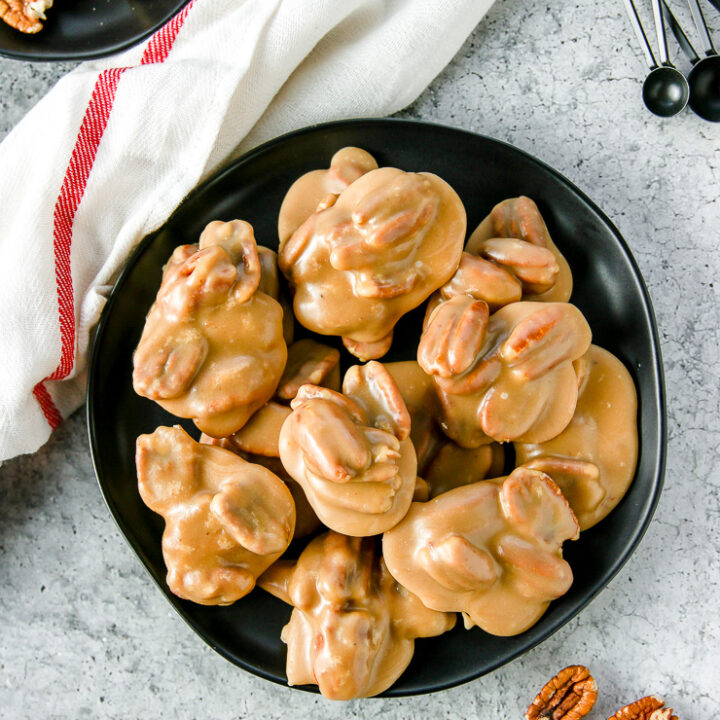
pixel 665 90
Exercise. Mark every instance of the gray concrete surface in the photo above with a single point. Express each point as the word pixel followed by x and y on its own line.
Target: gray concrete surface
pixel 85 634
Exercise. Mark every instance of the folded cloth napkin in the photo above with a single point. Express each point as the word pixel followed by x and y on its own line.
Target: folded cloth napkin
pixel 108 154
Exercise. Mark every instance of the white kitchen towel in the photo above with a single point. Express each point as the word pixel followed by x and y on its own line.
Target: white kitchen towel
pixel 108 154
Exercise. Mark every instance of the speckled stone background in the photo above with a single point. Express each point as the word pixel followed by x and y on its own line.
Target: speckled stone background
pixel 84 632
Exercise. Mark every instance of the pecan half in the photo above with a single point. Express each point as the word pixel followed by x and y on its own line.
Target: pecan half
pixel 24 15
pixel 534 266
pixel 453 336
pixel 647 708
pixel 570 695
pixel 483 280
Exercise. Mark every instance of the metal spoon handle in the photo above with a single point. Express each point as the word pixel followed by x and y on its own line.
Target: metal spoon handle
pixel 660 30
pixel 701 26
pixel 679 34
pixel 640 34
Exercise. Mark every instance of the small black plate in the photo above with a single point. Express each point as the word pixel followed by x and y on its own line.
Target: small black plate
pixel 608 289
pixel 84 29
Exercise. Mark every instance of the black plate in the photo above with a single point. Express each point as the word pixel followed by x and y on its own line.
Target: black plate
pixel 608 289
pixel 83 29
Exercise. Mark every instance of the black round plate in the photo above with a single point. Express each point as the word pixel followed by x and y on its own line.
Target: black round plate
pixel 608 289
pixel 83 29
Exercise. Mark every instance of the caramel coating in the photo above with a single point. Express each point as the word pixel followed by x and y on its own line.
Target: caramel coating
pixel 418 391
pixel 373 254
pixel 352 630
pixel 491 550
pixel 506 376
pixel 515 240
pixel 306 520
pixel 309 190
pixel 454 466
pixel 351 452
pixel 593 459
pixel 270 285
pixel 309 363
pixel 259 436
pixel 257 442
pixel 24 15
pixel 226 520
pixel 212 348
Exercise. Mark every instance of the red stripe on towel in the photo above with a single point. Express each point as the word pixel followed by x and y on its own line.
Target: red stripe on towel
pixel 51 413
pixel 72 190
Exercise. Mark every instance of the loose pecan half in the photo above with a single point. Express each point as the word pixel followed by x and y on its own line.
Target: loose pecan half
pixel 570 695
pixel 647 708
pixel 24 15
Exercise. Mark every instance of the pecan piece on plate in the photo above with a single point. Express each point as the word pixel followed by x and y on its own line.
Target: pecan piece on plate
pixel 24 15
pixel 570 695
pixel 647 708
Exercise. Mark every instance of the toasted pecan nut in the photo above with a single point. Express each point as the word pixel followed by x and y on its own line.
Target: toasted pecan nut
pixel 352 629
pixel 309 363
pixel 647 708
pixel 453 337
pixel 535 267
pixel 542 340
pixel 570 695
pixel 491 550
pixel 389 240
pixel 483 280
pixel 212 348
pixel 238 240
pixel 372 386
pixel 306 521
pixel 24 15
pixel 226 520
pixel 351 452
